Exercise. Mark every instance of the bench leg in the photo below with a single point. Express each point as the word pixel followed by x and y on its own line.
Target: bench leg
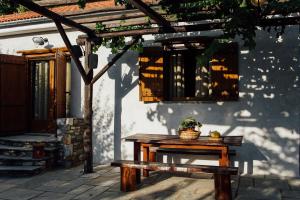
pixel 148 156
pixel 128 179
pixel 137 157
pixel 146 159
pixel 222 187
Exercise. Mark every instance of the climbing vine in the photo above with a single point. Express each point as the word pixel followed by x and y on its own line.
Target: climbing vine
pixel 116 43
pixel 8 7
pixel 240 17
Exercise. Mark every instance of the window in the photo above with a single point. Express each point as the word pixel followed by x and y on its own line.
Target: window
pixel 176 75
pixel 40 89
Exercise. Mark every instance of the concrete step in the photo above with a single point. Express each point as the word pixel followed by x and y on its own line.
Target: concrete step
pixel 15 148
pixel 28 140
pixel 30 137
pixel 8 154
pixel 16 153
pixel 20 170
pixel 22 158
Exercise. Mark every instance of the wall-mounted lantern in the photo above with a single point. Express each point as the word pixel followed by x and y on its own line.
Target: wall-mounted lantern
pixel 39 40
pixel 77 51
pixel 93 60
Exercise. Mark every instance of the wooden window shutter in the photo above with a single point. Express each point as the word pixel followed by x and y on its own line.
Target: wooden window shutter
pixel 224 73
pixel 151 74
pixel 60 84
pixel 13 94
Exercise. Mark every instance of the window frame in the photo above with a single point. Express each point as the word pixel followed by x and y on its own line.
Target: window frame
pixel 224 76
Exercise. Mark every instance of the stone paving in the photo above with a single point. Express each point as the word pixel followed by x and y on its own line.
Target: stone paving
pixel 71 184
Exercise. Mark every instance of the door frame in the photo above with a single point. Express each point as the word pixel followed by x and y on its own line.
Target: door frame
pixel 41 55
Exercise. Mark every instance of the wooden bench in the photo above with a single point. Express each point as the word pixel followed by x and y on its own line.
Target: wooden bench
pixel 129 178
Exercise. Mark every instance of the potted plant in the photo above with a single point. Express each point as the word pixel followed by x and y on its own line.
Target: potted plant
pixel 187 128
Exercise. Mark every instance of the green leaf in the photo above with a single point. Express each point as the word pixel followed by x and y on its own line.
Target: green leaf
pixel 81 3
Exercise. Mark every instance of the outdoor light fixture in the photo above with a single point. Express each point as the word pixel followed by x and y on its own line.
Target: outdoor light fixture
pixel 77 50
pixel 93 60
pixel 39 40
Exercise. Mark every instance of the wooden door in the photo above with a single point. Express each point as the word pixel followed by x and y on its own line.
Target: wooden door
pixel 42 95
pixel 13 94
pixel 48 92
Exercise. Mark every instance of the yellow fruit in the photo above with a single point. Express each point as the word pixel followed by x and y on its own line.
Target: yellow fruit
pixel 215 134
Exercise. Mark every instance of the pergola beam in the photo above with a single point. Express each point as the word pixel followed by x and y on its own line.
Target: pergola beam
pixel 158 30
pixel 54 16
pixel 279 21
pixel 120 18
pixel 152 14
pixel 47 3
pixel 70 49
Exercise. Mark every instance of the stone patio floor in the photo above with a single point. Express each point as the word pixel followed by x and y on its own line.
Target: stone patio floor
pixel 65 184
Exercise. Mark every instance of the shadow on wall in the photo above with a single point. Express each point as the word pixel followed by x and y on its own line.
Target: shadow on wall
pixel 107 140
pixel 102 123
pixel 123 73
pixel 75 103
pixel 267 113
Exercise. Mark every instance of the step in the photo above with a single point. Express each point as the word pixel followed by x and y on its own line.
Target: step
pixel 31 138
pixel 23 158
pixel 20 169
pixel 27 140
pixel 14 148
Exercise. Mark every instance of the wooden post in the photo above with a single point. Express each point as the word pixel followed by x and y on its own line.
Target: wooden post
pixel 128 179
pixel 136 157
pixel 88 111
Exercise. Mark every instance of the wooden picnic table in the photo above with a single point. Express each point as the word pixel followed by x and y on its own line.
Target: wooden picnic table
pixel 147 142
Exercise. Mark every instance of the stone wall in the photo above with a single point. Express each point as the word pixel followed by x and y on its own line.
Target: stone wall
pixel 70 136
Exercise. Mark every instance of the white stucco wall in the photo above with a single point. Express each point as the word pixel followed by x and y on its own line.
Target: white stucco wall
pixel 267 113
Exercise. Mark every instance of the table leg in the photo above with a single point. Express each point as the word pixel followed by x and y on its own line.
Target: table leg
pixel 148 156
pixel 222 187
pixel 152 156
pixel 222 182
pixel 146 159
pixel 137 157
pixel 224 159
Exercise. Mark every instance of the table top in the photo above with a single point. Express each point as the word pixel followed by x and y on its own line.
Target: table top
pixel 174 139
